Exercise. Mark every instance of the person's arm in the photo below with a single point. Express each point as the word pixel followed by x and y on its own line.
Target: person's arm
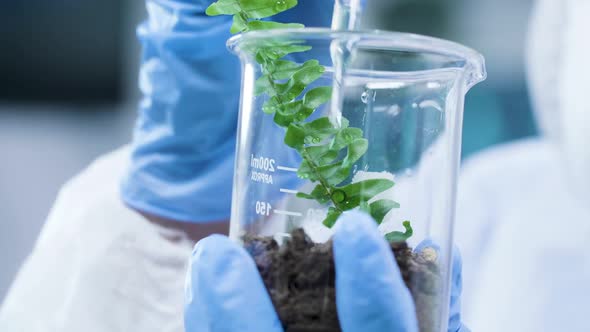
pixel 183 146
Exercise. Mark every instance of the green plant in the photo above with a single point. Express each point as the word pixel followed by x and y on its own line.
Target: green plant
pixel 328 152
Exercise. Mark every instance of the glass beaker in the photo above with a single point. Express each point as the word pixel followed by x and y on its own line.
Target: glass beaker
pixel 316 138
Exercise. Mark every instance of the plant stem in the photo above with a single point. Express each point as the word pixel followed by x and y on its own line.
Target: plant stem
pixel 321 180
pixel 305 155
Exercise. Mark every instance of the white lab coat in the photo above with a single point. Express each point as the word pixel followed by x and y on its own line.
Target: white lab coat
pixel 524 238
pixel 99 266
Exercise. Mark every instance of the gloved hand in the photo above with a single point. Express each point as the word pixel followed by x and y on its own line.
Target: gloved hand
pixel 184 140
pixel 225 293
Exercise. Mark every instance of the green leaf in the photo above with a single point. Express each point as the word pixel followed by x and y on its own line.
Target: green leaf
pixel 318 194
pixel 363 191
pixel 289 49
pixel 269 51
pixel 295 136
pixel 399 236
pixel 344 123
pixel 261 58
pixel 316 97
pixel 265 8
pixel 303 113
pixel 306 172
pixel 381 208
pixel 291 90
pixel 310 72
pixel 223 7
pixel 253 9
pixel 329 171
pixel 269 25
pixel 264 85
pixel 322 154
pixel 332 217
pixel 321 124
pixel 318 130
pixel 278 51
pixel 365 207
pixel 283 69
pixel 291 112
pixel 239 24
pixel 271 106
pixel 332 174
pixel 299 80
pixel 338 177
pixel 356 150
pixel 309 133
pixel 345 137
pixel 282 119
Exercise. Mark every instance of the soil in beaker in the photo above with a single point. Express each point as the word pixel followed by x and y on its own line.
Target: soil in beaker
pixel 300 278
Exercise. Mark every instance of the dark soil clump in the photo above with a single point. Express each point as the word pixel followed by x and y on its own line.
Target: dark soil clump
pixel 300 278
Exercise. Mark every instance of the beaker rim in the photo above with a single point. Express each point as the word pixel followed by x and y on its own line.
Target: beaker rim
pixel 474 62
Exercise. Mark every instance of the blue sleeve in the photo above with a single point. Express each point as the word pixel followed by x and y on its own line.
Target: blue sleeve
pixel 184 137
pixel 184 140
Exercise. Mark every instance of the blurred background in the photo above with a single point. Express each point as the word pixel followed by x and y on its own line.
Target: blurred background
pixel 68 90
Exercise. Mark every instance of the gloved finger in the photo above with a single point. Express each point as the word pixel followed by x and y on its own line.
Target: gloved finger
pixel 370 292
pixel 224 292
pixel 456 282
pixel 456 289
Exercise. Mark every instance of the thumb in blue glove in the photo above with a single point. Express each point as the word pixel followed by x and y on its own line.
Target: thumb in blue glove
pixel 224 292
pixel 369 282
pixel 370 292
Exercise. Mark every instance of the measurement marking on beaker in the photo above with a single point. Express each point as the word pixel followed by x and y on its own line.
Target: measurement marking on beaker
pixel 288 213
pixel 287 169
pixel 289 191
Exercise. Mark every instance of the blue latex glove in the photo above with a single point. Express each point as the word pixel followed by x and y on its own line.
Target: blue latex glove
pixel 184 139
pixel 183 143
pixel 225 293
